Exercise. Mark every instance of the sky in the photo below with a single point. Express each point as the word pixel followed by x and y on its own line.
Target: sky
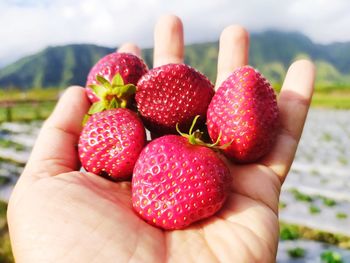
pixel 28 26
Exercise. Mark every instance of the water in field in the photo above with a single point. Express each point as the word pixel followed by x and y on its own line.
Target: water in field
pixel 316 193
pixel 317 190
pixel 16 142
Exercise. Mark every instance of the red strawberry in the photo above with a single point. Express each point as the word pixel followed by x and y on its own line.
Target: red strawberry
pixel 244 110
pixel 111 142
pixel 129 66
pixel 171 94
pixel 176 183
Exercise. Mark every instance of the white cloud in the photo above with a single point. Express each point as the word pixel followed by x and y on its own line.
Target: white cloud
pixel 29 26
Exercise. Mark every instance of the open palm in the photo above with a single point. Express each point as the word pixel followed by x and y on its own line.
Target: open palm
pixel 57 214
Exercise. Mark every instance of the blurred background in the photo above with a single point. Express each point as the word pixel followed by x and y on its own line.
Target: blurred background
pixel 48 45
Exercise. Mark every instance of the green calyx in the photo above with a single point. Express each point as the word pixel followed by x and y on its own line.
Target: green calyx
pixel 114 94
pixel 194 137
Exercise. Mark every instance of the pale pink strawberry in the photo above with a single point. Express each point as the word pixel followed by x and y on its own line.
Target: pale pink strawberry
pixel 176 183
pixel 245 115
pixel 111 142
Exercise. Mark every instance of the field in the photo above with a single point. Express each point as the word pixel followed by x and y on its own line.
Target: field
pixel 37 104
pixel 336 100
pixel 315 199
pixel 27 106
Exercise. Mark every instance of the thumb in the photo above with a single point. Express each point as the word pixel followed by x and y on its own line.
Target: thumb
pixel 55 150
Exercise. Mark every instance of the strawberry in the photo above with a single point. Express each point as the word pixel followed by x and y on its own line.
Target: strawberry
pixel 171 94
pixel 110 143
pixel 244 114
pixel 129 66
pixel 176 183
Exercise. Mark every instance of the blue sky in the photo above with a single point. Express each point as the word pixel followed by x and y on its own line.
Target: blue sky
pixel 27 26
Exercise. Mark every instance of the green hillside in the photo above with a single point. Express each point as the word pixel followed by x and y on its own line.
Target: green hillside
pixel 271 52
pixel 52 67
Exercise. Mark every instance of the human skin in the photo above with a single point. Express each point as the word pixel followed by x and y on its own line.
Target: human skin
pixel 58 214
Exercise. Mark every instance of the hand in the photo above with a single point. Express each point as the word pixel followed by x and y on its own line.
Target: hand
pixel 57 214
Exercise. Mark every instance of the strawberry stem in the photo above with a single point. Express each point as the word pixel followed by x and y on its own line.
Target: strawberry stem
pixel 193 124
pixel 114 94
pixel 194 137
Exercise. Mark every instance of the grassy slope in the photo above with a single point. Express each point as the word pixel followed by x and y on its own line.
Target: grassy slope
pixel 337 100
pixel 293 232
pixel 5 246
pixel 334 99
pixel 29 111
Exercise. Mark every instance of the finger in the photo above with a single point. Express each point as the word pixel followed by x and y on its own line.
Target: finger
pixel 293 103
pixel 55 149
pixel 168 41
pixel 233 51
pixel 130 48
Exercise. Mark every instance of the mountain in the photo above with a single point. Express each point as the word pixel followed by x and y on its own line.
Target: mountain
pixel 53 67
pixel 270 51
